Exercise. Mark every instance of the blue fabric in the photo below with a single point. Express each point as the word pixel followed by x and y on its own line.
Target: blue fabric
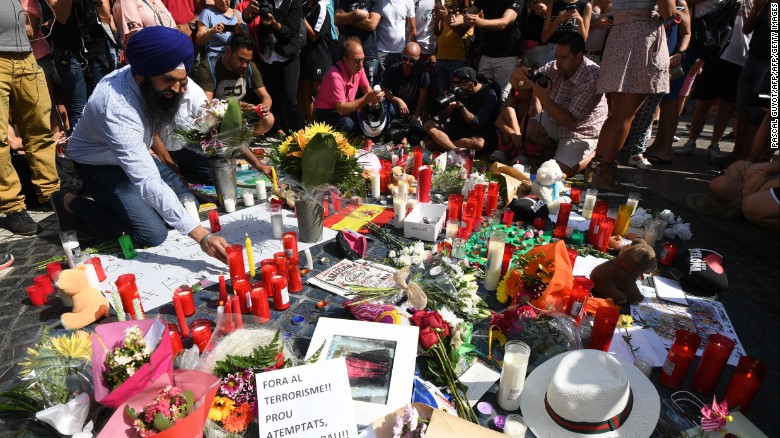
pixel 332 118
pixel 156 50
pixel 117 205
pixel 78 81
pixel 210 17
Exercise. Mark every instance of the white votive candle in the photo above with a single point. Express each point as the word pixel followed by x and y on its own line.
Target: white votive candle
pixel 399 208
pixel 403 187
pixel 495 257
pixel 510 387
pixel 451 231
pixel 230 205
pixel 515 426
pixel 262 195
pixel 375 186
pixel 277 226
pixel 590 202
pixel 249 198
pixel 411 202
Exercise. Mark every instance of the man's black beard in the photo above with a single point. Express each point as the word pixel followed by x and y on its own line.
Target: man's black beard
pixel 160 110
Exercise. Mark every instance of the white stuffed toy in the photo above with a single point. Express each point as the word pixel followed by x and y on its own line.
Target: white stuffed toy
pixel 549 185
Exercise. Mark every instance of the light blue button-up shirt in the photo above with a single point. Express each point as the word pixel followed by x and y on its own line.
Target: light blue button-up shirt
pixel 113 130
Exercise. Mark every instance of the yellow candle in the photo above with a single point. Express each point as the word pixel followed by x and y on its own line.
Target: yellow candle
pixel 249 256
pixel 273 179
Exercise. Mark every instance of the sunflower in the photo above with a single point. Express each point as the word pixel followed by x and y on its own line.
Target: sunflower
pixel 221 408
pixel 317 128
pixel 239 419
pixel 74 346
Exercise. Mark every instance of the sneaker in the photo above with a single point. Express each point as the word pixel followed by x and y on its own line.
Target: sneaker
pixel 498 155
pixel 714 150
pixel 724 160
pixel 686 149
pixel 6 260
pixel 729 136
pixel 640 162
pixel 675 139
pixel 706 205
pixel 20 222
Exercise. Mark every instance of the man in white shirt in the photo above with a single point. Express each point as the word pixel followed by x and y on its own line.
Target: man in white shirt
pixel 396 28
pixel 132 192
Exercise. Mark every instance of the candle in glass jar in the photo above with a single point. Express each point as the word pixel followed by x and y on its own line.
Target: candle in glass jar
pixel 294 281
pixel 590 202
pixel 508 217
pixel 424 184
pixel 564 211
pixel 679 360
pixel 509 252
pixel 633 201
pixel 579 295
pixel 376 187
pixel 45 283
pixel 187 299
pixel 745 382
pixel 454 204
pixel 417 163
pixel 399 209
pixel 277 222
pixel 605 232
pixel 54 269
pixel 290 244
pixel 177 306
pixel 603 327
pixel 128 291
pixel 495 257
pixel 262 193
pixel 574 194
pixel 249 198
pixel 260 306
pixel 235 257
pixel 411 202
pixel 510 387
pixel 514 426
pixel 241 289
pixel 713 360
pixel 230 205
pixel 214 221
pixel 623 218
pixel 281 296
pixel 201 333
pixel 238 318
pixel 189 203
pixel 403 186
pixel 173 333
pixel 451 231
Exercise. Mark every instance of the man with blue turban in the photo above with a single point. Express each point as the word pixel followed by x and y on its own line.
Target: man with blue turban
pixel 130 191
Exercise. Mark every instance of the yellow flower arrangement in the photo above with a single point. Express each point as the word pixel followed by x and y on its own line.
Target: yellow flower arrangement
pixel 509 286
pixel 221 408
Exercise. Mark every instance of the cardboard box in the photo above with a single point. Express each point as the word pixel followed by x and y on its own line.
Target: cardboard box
pixel 442 425
pixel 414 225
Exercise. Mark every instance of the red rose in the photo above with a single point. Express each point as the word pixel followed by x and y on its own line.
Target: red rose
pixel 431 319
pixel 428 338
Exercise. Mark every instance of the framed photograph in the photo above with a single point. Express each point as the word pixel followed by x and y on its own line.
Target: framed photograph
pixel 380 362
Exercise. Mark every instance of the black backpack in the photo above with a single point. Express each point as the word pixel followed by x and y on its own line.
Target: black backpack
pixel 711 33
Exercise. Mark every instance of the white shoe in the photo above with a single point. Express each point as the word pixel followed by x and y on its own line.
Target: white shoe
pixel 675 139
pixel 640 162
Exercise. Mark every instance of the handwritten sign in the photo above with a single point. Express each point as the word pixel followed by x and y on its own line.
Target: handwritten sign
pixel 306 401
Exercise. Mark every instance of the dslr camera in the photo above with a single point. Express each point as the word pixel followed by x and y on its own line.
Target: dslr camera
pixel 266 8
pixel 539 78
pixel 455 94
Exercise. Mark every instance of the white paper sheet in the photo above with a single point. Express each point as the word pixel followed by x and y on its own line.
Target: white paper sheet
pixel 646 342
pixel 179 260
pixel 583 266
pixel 575 220
pixel 478 379
pixel 669 290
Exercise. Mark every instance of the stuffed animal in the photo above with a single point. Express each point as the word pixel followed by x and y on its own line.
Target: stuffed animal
pixel 617 278
pixel 549 185
pixel 89 304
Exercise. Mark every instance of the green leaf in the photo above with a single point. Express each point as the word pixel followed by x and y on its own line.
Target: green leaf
pixel 131 412
pixel 190 399
pixel 319 160
pixel 161 423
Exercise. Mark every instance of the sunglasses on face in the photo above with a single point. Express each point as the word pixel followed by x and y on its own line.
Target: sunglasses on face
pixel 359 61
pixel 406 58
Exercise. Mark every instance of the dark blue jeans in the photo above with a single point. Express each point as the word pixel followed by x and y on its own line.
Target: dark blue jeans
pixel 78 79
pixel 193 165
pixel 117 206
pixel 373 71
pixel 332 118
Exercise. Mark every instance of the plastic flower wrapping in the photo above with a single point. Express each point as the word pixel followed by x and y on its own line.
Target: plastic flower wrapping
pixel 219 129
pixel 169 406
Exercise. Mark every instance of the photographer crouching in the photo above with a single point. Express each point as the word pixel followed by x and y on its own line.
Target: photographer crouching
pixel 572 110
pixel 468 111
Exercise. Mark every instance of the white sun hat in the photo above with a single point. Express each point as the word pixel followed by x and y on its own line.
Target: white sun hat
pixel 589 393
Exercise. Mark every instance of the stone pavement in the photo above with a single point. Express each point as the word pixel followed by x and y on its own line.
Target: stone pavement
pixel 751 259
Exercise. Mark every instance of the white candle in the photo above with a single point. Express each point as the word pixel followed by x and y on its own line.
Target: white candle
pixel 451 231
pixel 411 203
pixel 72 251
pixel 513 371
pixel 277 225
pixel 230 205
pixel 192 208
pixel 495 257
pixel 633 203
pixel 403 187
pixel 394 158
pixel 309 261
pixel 249 198
pixel 399 207
pixel 92 277
pixel 375 187
pixel 587 207
pixel 514 426
pixel 262 195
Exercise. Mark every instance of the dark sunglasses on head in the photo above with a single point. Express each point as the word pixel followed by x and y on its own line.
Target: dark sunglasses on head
pixel 407 58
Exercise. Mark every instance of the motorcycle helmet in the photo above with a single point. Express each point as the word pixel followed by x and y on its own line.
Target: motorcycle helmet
pixel 372 120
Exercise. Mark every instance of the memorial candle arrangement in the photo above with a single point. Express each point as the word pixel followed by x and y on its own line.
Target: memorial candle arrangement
pixel 564 211
pixel 713 360
pixel 679 359
pixel 510 387
pixel 495 256
pixel 235 257
pixel 603 327
pixel 425 176
pixel 201 333
pixel 745 382
pixel 589 203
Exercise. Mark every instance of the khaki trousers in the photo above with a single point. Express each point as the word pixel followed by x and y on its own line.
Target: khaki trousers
pixel 23 93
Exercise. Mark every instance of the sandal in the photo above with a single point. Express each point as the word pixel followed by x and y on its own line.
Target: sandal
pixel 657 160
pixel 601 175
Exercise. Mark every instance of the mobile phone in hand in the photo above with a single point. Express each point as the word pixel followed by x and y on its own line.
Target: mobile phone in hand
pixel 571 7
pixel 229 28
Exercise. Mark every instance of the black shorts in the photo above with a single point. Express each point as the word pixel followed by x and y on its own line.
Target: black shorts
pixel 718 81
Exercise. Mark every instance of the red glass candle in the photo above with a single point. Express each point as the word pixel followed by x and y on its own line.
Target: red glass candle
pixel 605 232
pixel 668 254
pixel 564 211
pixel 241 289
pixel 177 306
pixel 222 290
pixel 128 291
pixel 572 253
pixel 238 318
pixel 290 243
pixel 540 222
pixel 679 359
pixel 468 217
pixel 480 189
pixel 745 382
pixel 227 317
pixel 418 159
pixel 595 221
pixel 201 333
pixel 713 360
pixel 508 218
pixel 574 194
pixel 235 256
pixel 260 306
pixel 187 299
pixel 424 184
pixel 214 221
pixel 294 281
pixel 176 344
pixel 281 297
pixel 36 294
pixel 267 271
pixel 454 205
pixel 335 198
pixel 384 180
pixel 44 281
pixel 578 297
pixel 509 251
pixel 280 259
pixel 54 269
pixel 492 198
pixel 95 261
pixel 603 328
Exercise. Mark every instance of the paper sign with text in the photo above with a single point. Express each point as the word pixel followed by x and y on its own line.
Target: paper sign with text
pixel 306 401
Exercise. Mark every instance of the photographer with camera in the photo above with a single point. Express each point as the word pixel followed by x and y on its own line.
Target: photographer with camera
pixel 406 86
pixel 359 19
pixel 468 112
pixel 572 110
pixel 336 103
pixel 280 34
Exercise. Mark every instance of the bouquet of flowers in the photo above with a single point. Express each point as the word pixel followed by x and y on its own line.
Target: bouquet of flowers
pixel 124 360
pixel 170 405
pixel 527 280
pixel 318 155
pixel 219 129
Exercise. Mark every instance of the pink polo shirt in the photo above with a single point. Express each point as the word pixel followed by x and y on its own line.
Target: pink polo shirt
pixel 337 87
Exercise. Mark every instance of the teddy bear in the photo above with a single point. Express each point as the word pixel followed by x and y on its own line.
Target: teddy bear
pixel 617 278
pixel 89 304
pixel 549 184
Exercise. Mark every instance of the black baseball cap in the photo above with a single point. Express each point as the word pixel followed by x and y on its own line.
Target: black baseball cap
pixel 465 74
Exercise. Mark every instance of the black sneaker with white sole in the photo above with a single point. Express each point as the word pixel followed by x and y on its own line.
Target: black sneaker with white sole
pixel 20 222
pixel 6 260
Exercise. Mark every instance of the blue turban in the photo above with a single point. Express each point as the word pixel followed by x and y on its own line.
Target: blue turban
pixel 154 51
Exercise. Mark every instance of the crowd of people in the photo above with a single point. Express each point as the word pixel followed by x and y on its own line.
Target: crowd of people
pixel 85 94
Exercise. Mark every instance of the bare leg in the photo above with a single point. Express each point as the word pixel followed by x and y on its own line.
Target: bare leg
pixel 728 187
pixel 760 140
pixel 615 129
pixel 439 137
pixel 699 118
pixel 470 143
pixel 725 112
pixel 762 209
pixel 667 126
